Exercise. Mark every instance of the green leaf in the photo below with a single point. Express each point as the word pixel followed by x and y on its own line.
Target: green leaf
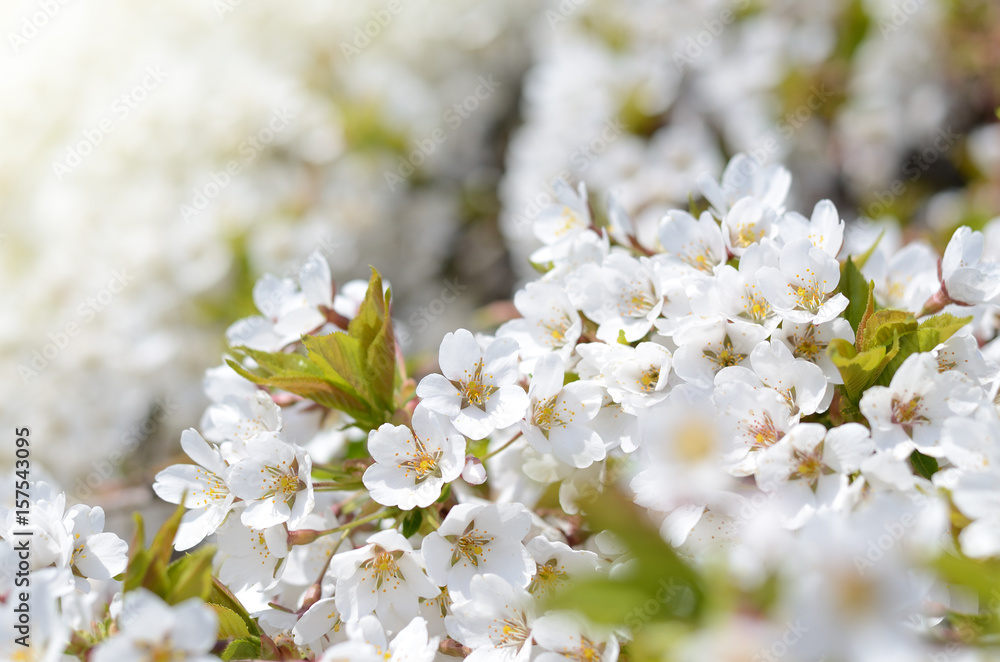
pixel 659 572
pixel 882 326
pixel 242 649
pixel 354 372
pixel 231 626
pixel 222 596
pixel 859 371
pixel 311 383
pixel 938 329
pixel 163 542
pixel 602 599
pixel 190 576
pixel 364 357
pixel 922 464
pixel 139 556
pixel 411 523
pixel 859 293
pixel 983 577
pixel 148 567
pixel 863 258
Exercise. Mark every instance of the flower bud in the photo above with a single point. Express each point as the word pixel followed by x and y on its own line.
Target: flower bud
pixel 474 472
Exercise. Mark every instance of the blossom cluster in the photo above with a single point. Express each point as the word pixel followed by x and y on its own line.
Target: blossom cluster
pixel 848 94
pixel 746 437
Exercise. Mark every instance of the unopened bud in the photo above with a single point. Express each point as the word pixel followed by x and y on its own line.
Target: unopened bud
pixel 311 597
pixel 474 472
pixel 303 536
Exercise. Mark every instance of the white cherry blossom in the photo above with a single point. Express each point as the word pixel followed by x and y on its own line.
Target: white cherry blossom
pixel 150 629
pixel 275 479
pixel 625 296
pixel 476 539
pixel 909 412
pixel 289 309
pixel 412 465
pixel 825 229
pixel 495 620
pixel 550 322
pixel 966 277
pixel 747 223
pixel 478 388
pixel 697 243
pixel 203 486
pixel 802 288
pixel 368 641
pixel 558 416
pixel 384 577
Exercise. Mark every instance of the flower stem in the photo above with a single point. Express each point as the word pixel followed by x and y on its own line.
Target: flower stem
pixel 381 514
pixel 502 448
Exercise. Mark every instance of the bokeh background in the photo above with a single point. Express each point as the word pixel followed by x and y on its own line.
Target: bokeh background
pixel 158 157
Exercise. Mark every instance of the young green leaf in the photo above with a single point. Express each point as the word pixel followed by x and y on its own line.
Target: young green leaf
pixel 231 626
pixel 880 327
pixel 859 293
pixel 242 649
pixel 922 464
pixel 190 576
pixel 858 370
pixel 222 596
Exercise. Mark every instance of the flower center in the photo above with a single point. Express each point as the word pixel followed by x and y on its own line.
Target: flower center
pixel 556 330
pixel 755 306
pixel 907 413
pixel 161 651
pixel 587 652
pixel 570 221
pixel 544 414
pixel 546 577
pixel 422 462
pixel 763 433
pixel 809 297
pixel 725 357
pixel 382 566
pixel 649 379
pixel 809 465
pixel 697 257
pixel 511 631
pixel 471 546
pixel 476 391
pixel 694 441
pixel 639 304
pixel 747 234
